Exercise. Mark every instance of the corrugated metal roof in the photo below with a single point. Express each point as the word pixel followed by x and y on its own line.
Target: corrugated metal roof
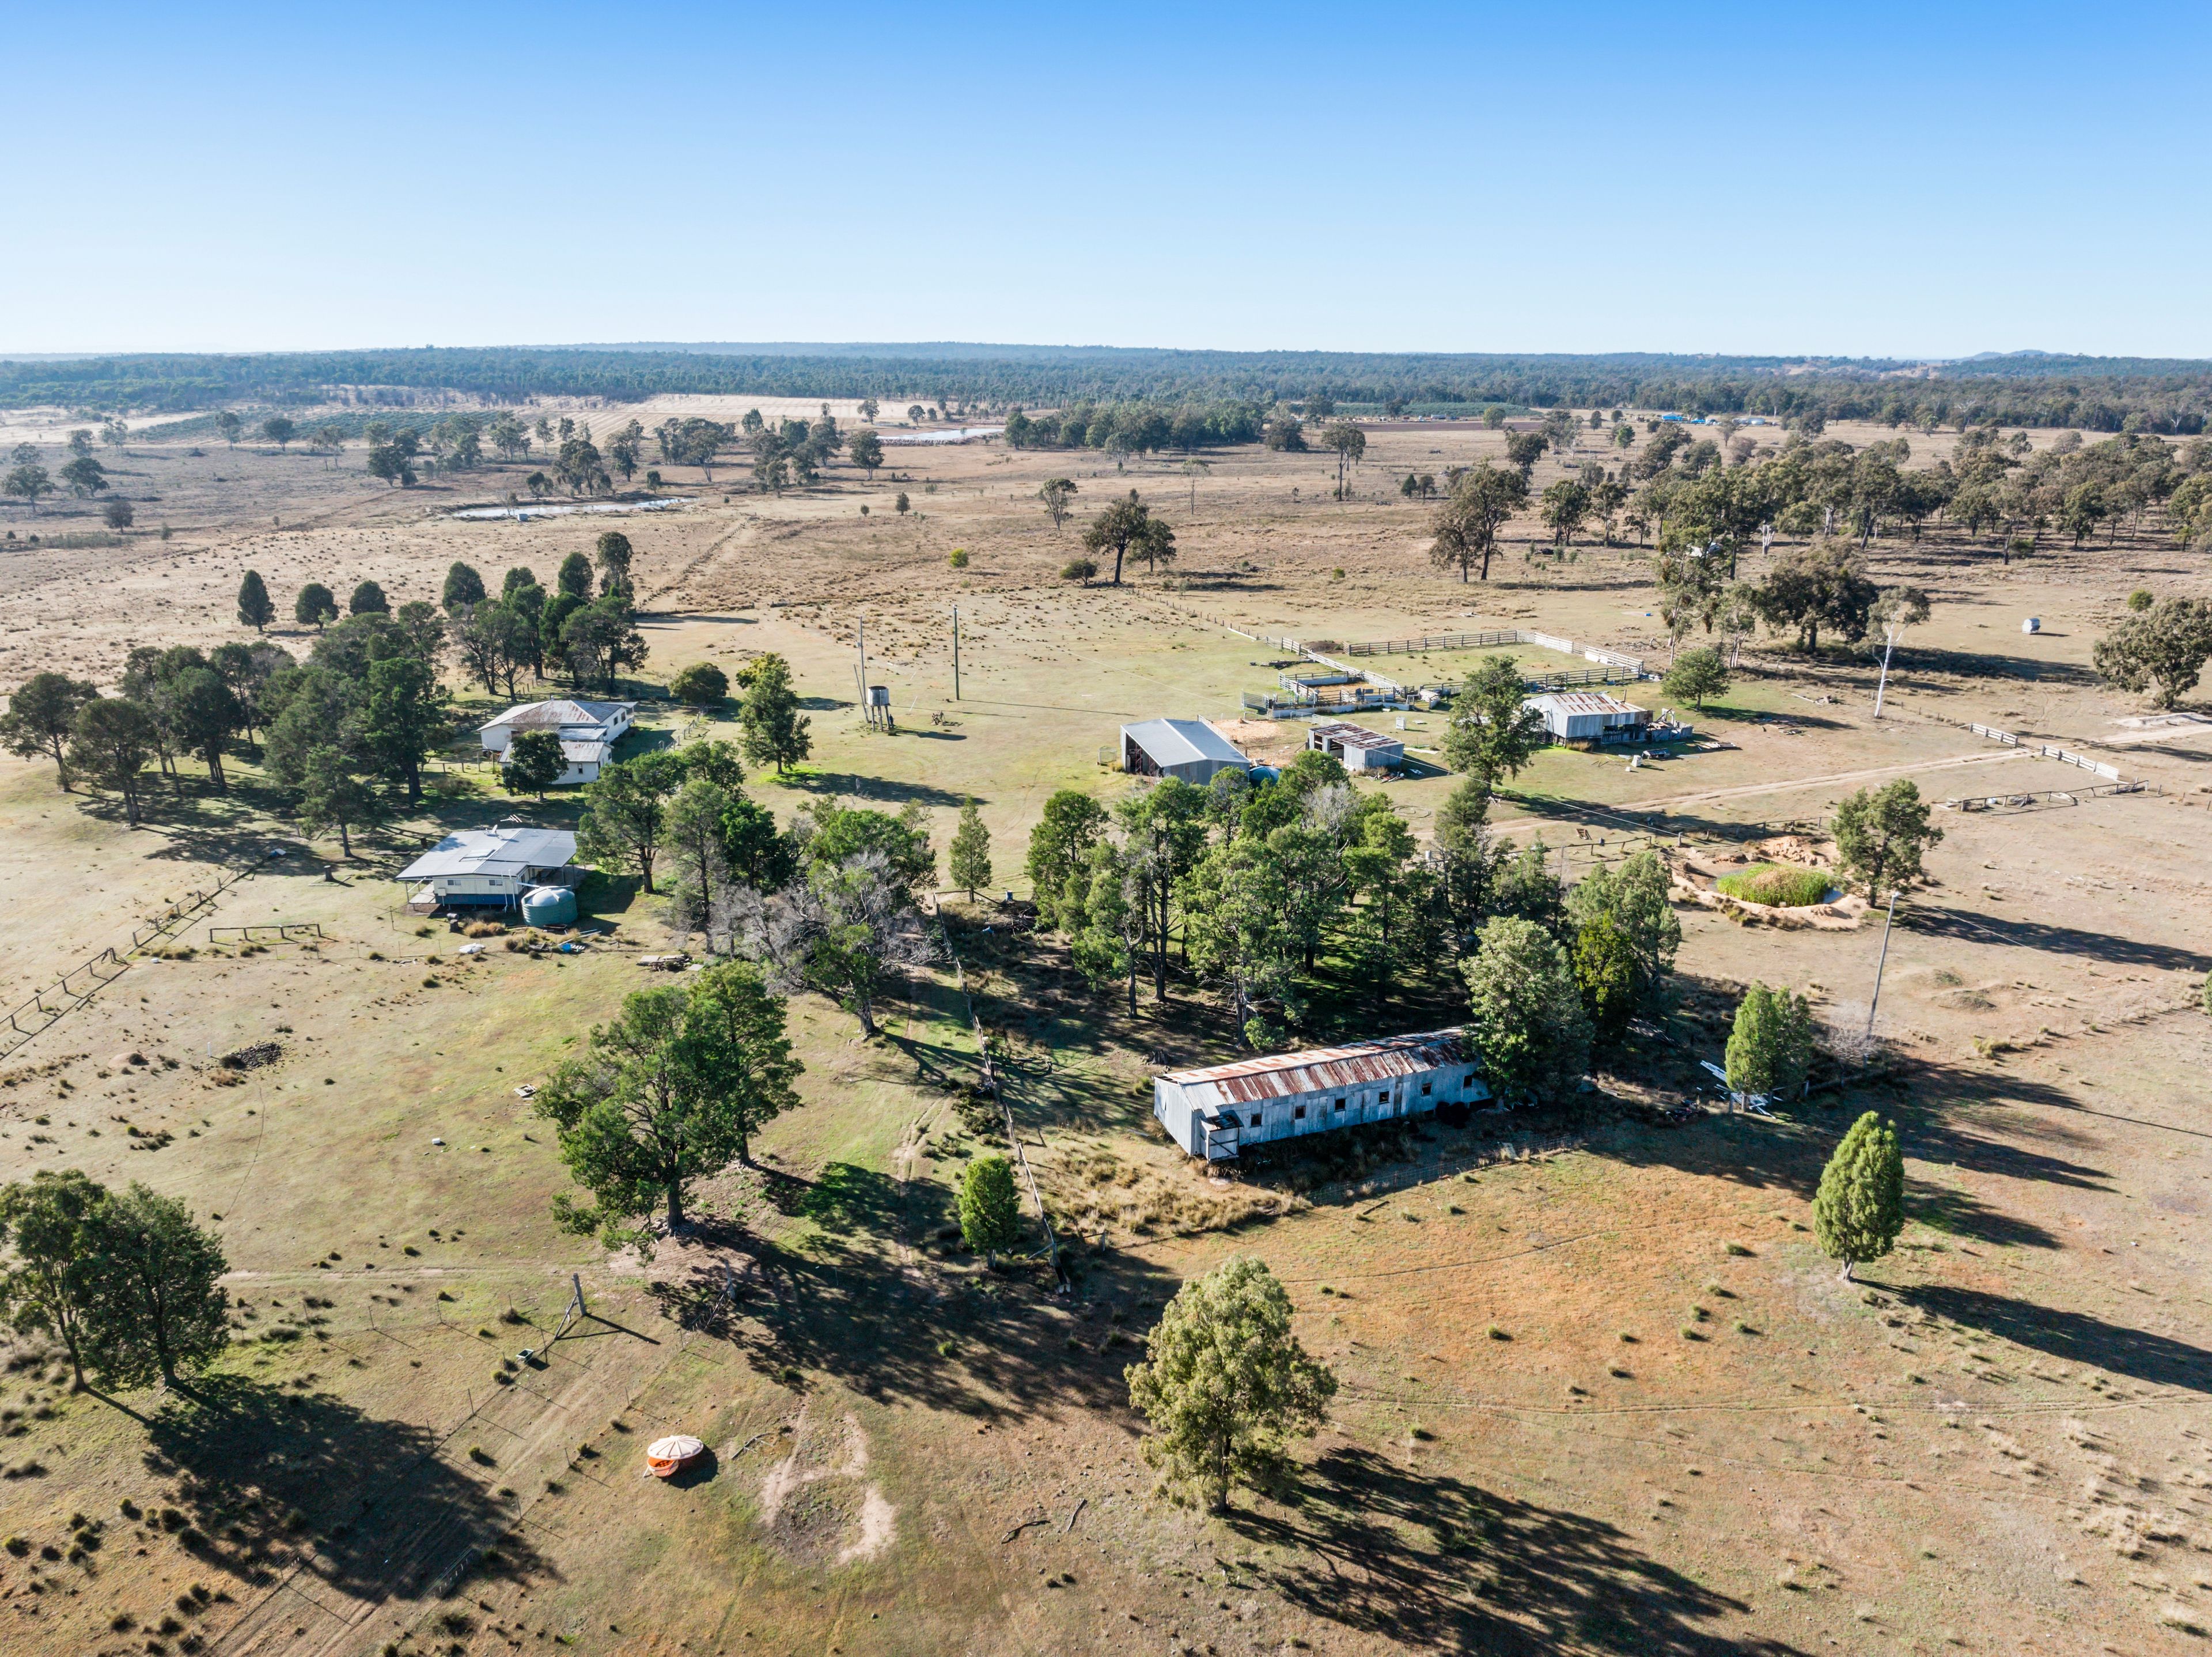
pixel 493 851
pixel 1585 702
pixel 1183 742
pixel 1353 736
pixel 552 715
pixel 1319 1068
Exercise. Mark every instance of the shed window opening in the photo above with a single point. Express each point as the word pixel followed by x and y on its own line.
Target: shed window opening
pixel 1339 1103
pixel 1424 1090
pixel 1256 1119
pixel 1299 1114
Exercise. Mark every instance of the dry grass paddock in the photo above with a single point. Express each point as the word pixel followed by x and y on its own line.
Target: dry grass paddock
pixel 1600 1392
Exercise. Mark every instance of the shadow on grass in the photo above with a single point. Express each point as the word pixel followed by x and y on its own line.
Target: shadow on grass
pixel 2070 1337
pixel 981 1345
pixel 1429 1561
pixel 1969 927
pixel 272 1480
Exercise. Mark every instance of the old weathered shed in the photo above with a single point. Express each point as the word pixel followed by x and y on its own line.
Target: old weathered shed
pixel 1213 1112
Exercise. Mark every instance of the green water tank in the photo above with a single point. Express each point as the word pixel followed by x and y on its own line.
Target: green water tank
pixel 548 906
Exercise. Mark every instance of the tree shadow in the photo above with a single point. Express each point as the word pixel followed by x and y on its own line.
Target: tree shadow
pixel 850 788
pixel 2020 933
pixel 2070 1337
pixel 982 1345
pixel 1429 1560
pixel 272 1481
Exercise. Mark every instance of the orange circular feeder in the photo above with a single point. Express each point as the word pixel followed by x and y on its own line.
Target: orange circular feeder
pixel 666 1457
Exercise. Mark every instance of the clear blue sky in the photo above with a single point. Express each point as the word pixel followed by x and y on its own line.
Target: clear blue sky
pixel 1927 179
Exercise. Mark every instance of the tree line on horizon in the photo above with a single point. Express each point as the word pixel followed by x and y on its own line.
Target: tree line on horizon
pixel 2171 397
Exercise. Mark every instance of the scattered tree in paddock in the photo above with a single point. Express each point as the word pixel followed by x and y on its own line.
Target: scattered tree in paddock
pixel 1491 734
pixel 1881 835
pixel 157 1297
pixel 1058 495
pixel 701 685
pixel 969 857
pixel 1697 675
pixel 1770 1049
pixel 333 796
pixel 255 608
pixel 1482 500
pixel 2159 651
pixel 990 1207
pixel 1224 1385
pixel 1860 1207
pixel 464 587
pixel 112 741
pixel 774 732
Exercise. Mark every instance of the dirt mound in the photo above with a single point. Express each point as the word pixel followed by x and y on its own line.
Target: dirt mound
pixel 817 1509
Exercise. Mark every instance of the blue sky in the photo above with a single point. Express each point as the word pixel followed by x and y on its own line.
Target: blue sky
pixel 1876 180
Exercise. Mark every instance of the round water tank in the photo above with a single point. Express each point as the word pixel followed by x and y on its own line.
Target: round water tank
pixel 2032 624
pixel 548 906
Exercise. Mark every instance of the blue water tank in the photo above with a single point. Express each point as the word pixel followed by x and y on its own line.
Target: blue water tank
pixel 548 906
pixel 1259 774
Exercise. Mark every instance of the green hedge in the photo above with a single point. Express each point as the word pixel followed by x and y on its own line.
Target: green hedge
pixel 1782 885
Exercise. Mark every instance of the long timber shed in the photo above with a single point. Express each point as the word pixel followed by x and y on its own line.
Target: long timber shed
pixel 1215 1112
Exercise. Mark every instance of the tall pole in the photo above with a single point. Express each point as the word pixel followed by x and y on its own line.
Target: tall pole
pixel 1882 964
pixel 956 653
pixel 867 708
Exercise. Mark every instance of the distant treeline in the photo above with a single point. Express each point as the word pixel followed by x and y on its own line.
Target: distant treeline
pixel 2028 388
pixel 1139 427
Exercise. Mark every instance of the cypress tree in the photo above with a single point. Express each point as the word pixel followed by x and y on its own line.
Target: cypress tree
pixel 1860 1207
pixel 463 587
pixel 255 608
pixel 971 851
pixel 1770 1050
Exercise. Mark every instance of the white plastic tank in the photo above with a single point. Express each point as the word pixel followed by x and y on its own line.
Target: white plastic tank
pixel 2032 624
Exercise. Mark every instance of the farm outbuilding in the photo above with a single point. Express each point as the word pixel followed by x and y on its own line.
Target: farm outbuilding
pixel 1213 1112
pixel 1359 748
pixel 1188 748
pixel 1590 716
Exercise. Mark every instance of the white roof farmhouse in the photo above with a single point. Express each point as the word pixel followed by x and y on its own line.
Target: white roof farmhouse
pixel 495 851
pixel 563 714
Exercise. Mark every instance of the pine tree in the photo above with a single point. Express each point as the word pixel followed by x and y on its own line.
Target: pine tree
pixel 1770 1050
pixel 1860 1207
pixel 1224 1385
pixel 774 730
pixel 463 587
pixel 255 607
pixel 333 796
pixel 990 1211
pixel 1534 1034
pixel 970 857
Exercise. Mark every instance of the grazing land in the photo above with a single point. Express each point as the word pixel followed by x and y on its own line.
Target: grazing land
pixel 1600 1390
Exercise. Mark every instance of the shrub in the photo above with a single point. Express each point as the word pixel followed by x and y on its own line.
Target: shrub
pixel 701 685
pixel 959 559
pixel 1782 885
pixel 1079 569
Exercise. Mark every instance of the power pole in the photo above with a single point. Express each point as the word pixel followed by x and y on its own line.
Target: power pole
pixel 1883 963
pixel 1881 687
pixel 956 653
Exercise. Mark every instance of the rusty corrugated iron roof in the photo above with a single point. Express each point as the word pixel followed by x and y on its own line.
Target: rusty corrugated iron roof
pixel 1319 1068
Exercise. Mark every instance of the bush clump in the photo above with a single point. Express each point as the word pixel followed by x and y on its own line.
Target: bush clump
pixel 1778 884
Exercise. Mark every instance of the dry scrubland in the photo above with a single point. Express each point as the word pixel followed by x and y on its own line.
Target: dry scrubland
pixel 1600 1392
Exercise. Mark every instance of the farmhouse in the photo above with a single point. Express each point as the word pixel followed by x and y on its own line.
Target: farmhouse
pixel 1590 716
pixel 1213 1112
pixel 1188 748
pixel 492 868
pixel 1359 748
pixel 588 732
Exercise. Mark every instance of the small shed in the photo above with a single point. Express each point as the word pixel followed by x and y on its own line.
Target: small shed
pixel 1590 716
pixel 1359 748
pixel 1190 749
pixel 1213 1112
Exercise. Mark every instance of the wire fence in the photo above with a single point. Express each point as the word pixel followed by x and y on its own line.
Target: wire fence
pixel 51 1003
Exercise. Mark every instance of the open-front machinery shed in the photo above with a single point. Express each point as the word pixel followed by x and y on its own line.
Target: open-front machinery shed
pixel 1188 748
pixel 1215 1112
